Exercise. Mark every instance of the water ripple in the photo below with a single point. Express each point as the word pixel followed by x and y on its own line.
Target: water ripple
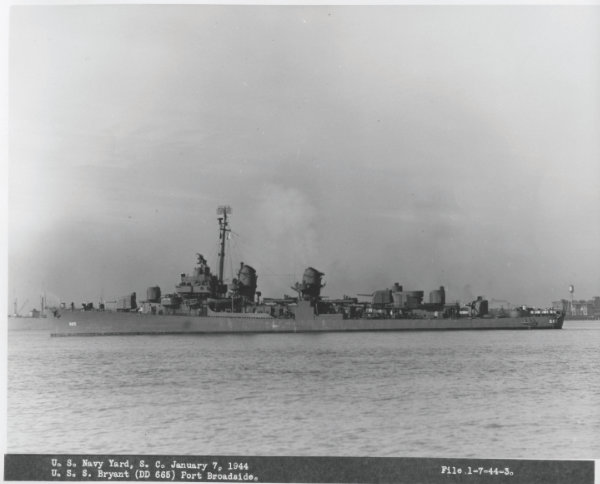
pixel 462 394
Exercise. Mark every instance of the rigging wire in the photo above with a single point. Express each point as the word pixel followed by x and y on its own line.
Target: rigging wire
pixel 230 260
pixel 237 247
pixel 265 269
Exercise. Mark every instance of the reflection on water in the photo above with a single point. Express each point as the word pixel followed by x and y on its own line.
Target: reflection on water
pixel 529 394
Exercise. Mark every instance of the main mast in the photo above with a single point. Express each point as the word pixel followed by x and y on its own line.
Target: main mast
pixel 223 229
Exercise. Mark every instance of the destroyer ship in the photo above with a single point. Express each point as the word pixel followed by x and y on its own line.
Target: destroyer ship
pixel 202 303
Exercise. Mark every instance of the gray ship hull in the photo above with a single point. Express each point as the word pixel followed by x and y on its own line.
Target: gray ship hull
pixel 203 304
pixel 106 323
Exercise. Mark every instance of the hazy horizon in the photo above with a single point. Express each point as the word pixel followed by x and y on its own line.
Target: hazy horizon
pixel 424 145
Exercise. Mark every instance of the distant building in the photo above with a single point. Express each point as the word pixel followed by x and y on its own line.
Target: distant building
pixel 581 308
pixel 562 305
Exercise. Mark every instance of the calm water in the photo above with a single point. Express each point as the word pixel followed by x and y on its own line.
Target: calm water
pixel 533 394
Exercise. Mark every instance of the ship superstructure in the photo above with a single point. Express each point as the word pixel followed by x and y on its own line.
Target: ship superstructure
pixel 203 303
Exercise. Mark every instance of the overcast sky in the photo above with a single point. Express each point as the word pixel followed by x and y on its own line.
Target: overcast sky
pixel 429 146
